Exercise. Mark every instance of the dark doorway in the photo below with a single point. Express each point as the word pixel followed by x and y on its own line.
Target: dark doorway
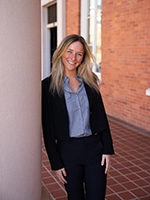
pixel 53 41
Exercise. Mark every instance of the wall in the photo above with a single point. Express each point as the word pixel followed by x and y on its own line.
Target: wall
pixel 20 100
pixel 72 17
pixel 126 60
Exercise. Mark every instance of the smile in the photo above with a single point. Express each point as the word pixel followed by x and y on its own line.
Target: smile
pixel 71 63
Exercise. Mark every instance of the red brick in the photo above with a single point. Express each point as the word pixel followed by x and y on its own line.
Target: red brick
pixel 73 17
pixel 125 63
pixel 126 60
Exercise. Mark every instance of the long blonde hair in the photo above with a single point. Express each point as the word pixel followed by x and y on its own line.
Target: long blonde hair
pixel 84 70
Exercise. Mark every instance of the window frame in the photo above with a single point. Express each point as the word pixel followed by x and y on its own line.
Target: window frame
pixel 84 28
pixel 45 36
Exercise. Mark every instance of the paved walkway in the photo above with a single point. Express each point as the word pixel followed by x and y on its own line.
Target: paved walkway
pixel 129 176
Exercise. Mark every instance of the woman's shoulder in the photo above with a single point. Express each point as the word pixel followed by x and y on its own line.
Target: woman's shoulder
pixel 46 83
pixel 46 80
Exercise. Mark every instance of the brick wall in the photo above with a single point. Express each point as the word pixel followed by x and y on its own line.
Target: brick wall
pixel 126 60
pixel 72 17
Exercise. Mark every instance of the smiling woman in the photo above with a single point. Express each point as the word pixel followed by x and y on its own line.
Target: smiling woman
pixel 77 144
pixel 84 68
pixel 72 58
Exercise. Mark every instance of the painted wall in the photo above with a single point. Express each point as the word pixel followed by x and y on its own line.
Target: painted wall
pixel 20 100
pixel 126 60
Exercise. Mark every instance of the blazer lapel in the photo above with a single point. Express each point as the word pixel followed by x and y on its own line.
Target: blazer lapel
pixel 89 95
pixel 61 103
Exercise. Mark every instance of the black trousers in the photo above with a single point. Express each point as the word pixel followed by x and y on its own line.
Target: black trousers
pixel 85 175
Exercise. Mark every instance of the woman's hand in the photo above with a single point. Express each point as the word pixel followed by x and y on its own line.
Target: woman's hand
pixel 106 159
pixel 61 173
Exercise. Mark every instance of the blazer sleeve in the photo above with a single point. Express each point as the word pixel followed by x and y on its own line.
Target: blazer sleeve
pixel 106 137
pixel 99 121
pixel 48 132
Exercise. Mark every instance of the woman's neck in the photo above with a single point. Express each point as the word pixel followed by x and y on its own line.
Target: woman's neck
pixel 71 75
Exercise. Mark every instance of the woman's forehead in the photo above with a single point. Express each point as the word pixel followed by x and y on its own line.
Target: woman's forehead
pixel 76 46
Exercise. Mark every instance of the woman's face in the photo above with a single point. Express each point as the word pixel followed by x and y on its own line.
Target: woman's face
pixel 73 57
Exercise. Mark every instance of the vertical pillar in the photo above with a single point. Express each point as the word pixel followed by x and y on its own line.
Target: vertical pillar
pixel 20 123
pixel 61 20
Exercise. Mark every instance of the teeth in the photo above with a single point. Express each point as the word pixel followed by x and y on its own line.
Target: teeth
pixel 72 63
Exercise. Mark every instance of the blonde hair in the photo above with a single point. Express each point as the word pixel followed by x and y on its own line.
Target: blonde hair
pixel 84 70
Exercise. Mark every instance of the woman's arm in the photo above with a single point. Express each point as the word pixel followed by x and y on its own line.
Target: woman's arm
pixel 47 125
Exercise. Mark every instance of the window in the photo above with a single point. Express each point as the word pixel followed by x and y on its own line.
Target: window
pixel 91 28
pixel 52 13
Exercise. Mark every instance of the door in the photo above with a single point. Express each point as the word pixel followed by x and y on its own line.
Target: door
pixel 53 42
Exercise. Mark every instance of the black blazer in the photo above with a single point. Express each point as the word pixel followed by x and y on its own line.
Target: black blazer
pixel 55 122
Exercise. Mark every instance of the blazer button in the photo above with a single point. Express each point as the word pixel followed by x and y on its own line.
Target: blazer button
pixel 95 134
pixel 90 113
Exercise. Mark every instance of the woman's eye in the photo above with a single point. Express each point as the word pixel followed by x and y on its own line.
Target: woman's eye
pixel 69 51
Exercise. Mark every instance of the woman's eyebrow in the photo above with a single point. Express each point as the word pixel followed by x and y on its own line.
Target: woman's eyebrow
pixel 70 49
pixel 77 51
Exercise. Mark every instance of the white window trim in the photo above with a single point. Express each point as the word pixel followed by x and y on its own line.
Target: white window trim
pixel 84 27
pixel 84 24
pixel 61 20
pixel 45 37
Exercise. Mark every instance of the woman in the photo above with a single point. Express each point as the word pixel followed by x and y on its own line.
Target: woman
pixel 75 127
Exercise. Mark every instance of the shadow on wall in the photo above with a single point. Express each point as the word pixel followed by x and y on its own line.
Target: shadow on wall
pixel 45 195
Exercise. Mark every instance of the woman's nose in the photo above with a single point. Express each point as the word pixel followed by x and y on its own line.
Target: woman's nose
pixel 73 56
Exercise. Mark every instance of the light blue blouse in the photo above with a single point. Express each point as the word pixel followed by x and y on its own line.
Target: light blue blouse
pixel 78 109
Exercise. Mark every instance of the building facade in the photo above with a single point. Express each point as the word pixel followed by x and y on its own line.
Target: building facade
pixel 118 33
